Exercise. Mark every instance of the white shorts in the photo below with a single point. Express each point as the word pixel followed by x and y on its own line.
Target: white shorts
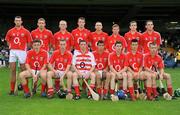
pixel 85 74
pixel 35 72
pixel 19 55
pixel 59 74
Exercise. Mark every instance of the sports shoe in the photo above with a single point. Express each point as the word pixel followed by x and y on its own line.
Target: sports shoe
pixel 105 97
pixel 27 95
pixel 89 97
pixel 11 93
pixel 43 94
pixel 77 97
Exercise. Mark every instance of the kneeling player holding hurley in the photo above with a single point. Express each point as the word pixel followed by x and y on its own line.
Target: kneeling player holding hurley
pixel 61 59
pixel 154 63
pixel 134 63
pixel 102 70
pixel 83 63
pixel 117 63
pixel 36 63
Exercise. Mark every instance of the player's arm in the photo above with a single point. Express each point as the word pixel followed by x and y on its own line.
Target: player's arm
pixel 7 38
pixel 161 72
pixel 113 70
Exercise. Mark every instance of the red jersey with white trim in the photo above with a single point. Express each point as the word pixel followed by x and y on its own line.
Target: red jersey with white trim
pixel 134 61
pixel 129 37
pixel 61 61
pixel 37 60
pixel 18 38
pixel 101 60
pixel 149 38
pixel 111 42
pixel 80 35
pixel 45 36
pixel 118 62
pixel 67 36
pixel 83 62
pixel 95 37
pixel 150 61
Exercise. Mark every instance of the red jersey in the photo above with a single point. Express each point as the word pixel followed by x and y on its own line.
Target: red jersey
pixel 150 61
pixel 45 36
pixel 61 61
pixel 118 62
pixel 101 60
pixel 95 37
pixel 80 35
pixel 149 38
pixel 129 37
pixel 37 60
pixel 18 38
pixel 134 61
pixel 67 36
pixel 111 42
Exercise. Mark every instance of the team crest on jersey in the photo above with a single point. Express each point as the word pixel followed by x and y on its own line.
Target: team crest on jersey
pixel 137 38
pixel 85 34
pixel 67 38
pixel 146 38
pixel 45 36
pixel 94 38
pixel 22 34
pixel 103 38
pixel 32 58
pixel 100 59
pixel 129 39
pixel 36 58
pixel 130 60
pixel 57 59
pixel 13 34
pixel 76 34
pixel 36 36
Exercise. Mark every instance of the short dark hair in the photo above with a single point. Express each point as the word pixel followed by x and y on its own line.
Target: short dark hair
pixel 36 41
pixel 81 41
pixel 81 18
pixel 149 21
pixel 100 42
pixel 132 22
pixel 118 42
pixel 18 17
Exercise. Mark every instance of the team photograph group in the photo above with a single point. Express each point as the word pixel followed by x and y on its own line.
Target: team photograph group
pixel 95 64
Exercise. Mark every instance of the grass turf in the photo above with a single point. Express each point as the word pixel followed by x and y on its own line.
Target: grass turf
pixel 12 105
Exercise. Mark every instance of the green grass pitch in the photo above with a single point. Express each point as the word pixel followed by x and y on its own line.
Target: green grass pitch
pixel 17 105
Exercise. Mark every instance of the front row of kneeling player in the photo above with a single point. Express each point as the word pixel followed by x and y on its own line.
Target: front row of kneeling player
pixel 103 70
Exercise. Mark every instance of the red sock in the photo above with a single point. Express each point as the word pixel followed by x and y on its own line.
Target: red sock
pixel 154 92
pixel 131 91
pixel 92 87
pixel 12 86
pixel 76 88
pixel 43 87
pixel 26 89
pixel 149 91
pixel 57 84
pixel 170 91
pixel 105 91
pixel 111 91
pixel 99 91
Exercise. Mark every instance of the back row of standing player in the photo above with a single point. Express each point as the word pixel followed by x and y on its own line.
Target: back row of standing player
pixel 18 36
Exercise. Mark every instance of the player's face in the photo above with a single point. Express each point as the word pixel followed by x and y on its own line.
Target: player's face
pixel 115 30
pixel 133 26
pixel 36 45
pixel 83 45
pixel 100 46
pixel 41 24
pixel 81 23
pixel 118 47
pixel 18 22
pixel 62 45
pixel 98 26
pixel 153 49
pixel 134 45
pixel 149 26
pixel 63 25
